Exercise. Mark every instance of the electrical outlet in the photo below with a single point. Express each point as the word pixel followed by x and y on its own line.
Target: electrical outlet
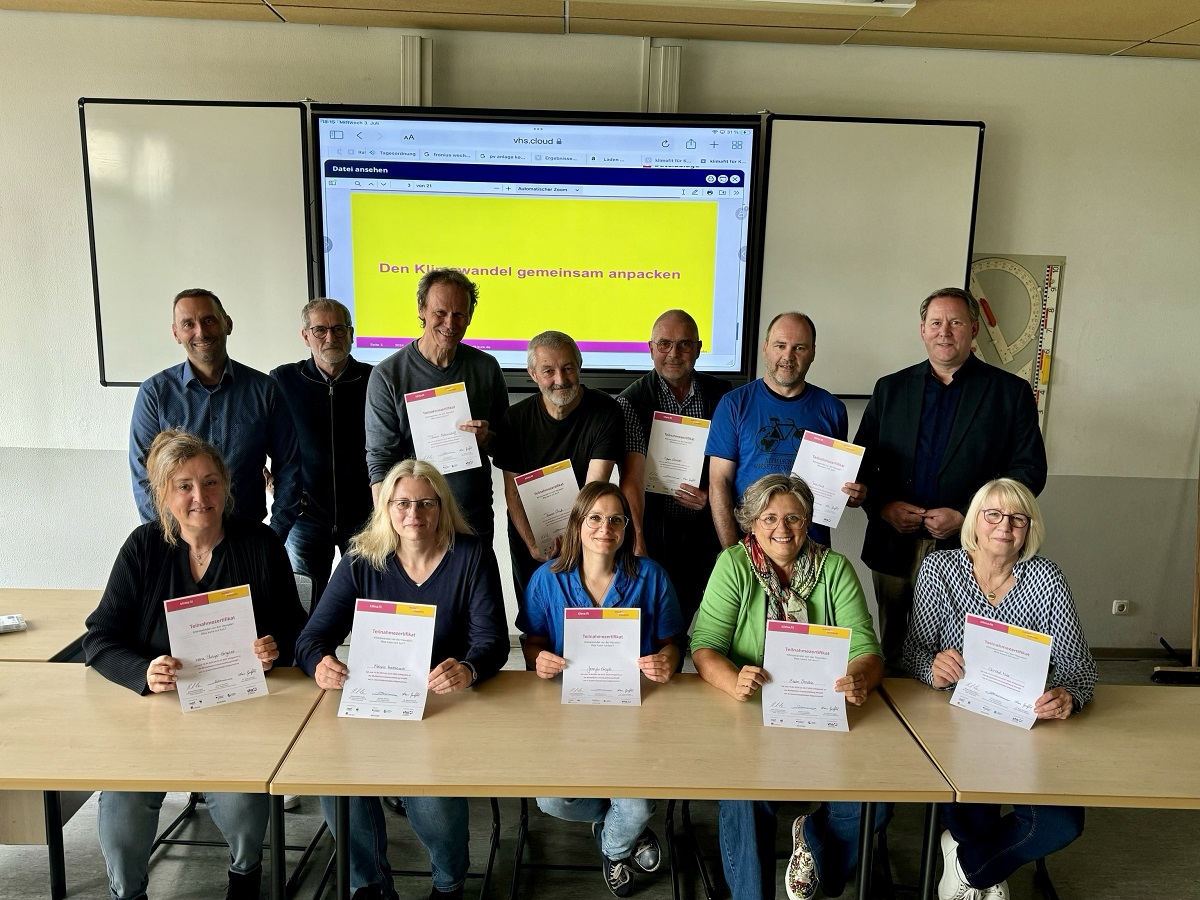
pixel 1122 607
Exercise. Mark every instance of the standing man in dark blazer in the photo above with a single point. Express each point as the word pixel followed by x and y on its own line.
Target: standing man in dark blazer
pixel 934 433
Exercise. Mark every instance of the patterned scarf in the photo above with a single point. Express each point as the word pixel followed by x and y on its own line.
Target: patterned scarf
pixel 787 603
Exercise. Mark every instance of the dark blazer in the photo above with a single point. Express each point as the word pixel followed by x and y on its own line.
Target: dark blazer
pixel 995 434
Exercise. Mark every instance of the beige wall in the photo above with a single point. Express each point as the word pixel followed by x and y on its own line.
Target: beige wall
pixel 1091 158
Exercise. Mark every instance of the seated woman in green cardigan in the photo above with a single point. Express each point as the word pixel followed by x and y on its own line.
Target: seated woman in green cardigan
pixel 776 572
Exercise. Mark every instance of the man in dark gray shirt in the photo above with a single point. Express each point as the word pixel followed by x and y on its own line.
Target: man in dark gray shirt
pixel 445 304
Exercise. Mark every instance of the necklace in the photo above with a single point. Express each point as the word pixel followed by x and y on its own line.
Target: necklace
pixel 200 558
pixel 989 593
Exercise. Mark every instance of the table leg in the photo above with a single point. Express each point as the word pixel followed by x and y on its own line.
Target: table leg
pixel 343 848
pixel 929 850
pixel 54 845
pixel 866 848
pixel 278 850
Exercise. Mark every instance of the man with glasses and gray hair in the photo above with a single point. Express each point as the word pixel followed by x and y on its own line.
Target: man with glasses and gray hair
pixel 934 433
pixel 676 532
pixel 327 394
pixel 564 420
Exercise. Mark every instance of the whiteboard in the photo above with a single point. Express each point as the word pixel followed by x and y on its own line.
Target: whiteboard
pixel 184 195
pixel 864 219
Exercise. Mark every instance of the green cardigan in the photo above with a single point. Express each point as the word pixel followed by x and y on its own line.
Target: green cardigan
pixel 733 614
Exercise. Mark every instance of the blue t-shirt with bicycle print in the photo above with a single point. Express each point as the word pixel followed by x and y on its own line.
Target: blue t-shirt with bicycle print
pixel 761 432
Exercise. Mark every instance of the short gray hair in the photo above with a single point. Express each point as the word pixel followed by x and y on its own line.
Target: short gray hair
pixel 758 496
pixel 958 294
pixel 325 304
pixel 552 340
pixel 792 314
pixel 446 276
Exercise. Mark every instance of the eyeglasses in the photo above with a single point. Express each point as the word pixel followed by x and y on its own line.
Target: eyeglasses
pixel 684 346
pixel 770 520
pixel 419 505
pixel 319 331
pixel 595 520
pixel 995 517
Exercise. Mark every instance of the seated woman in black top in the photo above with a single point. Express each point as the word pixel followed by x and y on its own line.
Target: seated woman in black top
pixel 416 548
pixel 191 549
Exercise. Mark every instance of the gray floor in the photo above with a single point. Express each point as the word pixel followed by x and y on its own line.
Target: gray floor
pixel 1123 853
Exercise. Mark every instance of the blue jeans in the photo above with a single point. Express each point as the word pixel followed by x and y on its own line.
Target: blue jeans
pixel 310 547
pixel 440 824
pixel 991 847
pixel 747 833
pixel 832 835
pixel 624 819
pixel 128 824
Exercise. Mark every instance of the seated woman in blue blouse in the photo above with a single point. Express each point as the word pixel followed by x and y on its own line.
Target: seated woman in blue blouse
pixel 997 575
pixel 597 567
pixel 192 548
pixel 416 548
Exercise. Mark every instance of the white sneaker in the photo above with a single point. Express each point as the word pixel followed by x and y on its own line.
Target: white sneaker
pixel 995 892
pixel 953 884
pixel 291 801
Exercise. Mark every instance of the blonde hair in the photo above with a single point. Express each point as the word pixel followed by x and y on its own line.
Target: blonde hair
pixel 168 452
pixel 1014 497
pixel 378 539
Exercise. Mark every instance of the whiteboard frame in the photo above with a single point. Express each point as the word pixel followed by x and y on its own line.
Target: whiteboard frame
pixel 765 207
pixel 302 143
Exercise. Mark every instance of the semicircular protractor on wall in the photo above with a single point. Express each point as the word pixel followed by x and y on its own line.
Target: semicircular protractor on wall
pixel 1005 349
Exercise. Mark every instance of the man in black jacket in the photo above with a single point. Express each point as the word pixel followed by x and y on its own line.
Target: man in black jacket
pixel 326 394
pixel 934 434
pixel 676 532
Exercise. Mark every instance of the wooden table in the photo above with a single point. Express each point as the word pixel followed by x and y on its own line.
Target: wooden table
pixel 512 737
pixel 55 619
pixel 1132 746
pixel 67 727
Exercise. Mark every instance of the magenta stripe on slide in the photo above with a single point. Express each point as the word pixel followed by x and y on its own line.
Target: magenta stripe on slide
pixel 497 344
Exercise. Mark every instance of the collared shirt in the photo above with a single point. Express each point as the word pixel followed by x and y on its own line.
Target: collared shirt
pixel 243 416
pixel 1039 599
pixel 637 441
pixel 650 590
pixel 938 408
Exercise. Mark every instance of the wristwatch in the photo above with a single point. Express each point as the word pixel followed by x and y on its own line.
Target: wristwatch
pixel 470 668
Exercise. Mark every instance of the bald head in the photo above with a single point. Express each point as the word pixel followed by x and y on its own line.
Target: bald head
pixel 674 346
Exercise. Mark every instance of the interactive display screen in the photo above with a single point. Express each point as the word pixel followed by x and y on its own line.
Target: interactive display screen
pixel 583 224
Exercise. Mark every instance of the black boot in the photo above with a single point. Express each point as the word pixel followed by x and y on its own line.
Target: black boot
pixel 368 892
pixel 244 887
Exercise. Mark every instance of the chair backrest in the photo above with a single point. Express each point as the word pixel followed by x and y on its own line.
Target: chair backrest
pixel 304 589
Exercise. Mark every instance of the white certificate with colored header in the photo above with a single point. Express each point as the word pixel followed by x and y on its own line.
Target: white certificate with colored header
pixel 803 661
pixel 391 646
pixel 213 636
pixel 1005 671
pixel 547 495
pixel 434 416
pixel 601 647
pixel 826 464
pixel 675 452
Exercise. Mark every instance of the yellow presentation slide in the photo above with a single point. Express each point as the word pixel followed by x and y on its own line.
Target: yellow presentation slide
pixel 598 268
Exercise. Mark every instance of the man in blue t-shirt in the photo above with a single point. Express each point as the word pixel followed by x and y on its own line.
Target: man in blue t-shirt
pixel 757 428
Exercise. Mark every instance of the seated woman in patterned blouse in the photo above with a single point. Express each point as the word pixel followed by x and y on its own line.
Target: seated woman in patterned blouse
pixel 996 574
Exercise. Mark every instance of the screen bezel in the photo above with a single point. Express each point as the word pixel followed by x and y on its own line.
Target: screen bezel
pixel 611 380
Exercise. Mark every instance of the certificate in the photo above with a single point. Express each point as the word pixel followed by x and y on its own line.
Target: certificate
pixel 601 647
pixel 213 636
pixel 826 464
pixel 391 645
pixel 547 495
pixel 434 416
pixel 1005 671
pixel 803 662
pixel 675 452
